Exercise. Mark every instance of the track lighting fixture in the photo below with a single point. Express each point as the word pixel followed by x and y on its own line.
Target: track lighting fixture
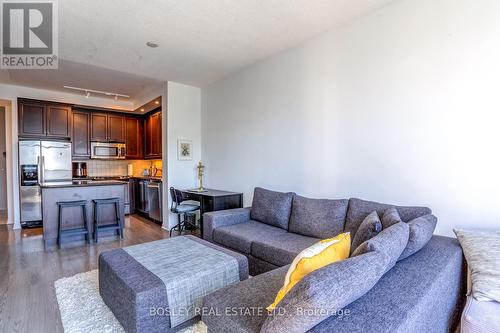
pixel 105 93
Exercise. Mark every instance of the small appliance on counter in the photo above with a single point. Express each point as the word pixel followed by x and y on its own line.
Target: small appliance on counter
pixel 79 170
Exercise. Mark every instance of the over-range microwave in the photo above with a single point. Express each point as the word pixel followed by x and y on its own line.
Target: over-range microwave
pixel 107 151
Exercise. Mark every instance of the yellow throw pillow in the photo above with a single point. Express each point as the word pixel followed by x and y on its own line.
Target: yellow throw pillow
pixel 319 255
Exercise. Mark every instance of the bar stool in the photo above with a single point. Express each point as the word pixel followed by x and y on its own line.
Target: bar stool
pixel 116 224
pixel 73 231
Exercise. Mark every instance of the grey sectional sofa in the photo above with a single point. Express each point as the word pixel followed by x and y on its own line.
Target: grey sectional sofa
pixel 422 293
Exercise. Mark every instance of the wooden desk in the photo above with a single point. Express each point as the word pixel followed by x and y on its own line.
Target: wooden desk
pixel 213 200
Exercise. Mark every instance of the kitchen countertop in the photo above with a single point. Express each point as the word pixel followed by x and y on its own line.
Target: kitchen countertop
pixel 147 178
pixel 82 183
pixel 119 178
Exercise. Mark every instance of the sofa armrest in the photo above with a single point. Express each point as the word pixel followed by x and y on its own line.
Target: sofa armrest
pixel 221 218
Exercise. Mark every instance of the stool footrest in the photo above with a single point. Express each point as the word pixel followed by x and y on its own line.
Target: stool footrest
pixel 74 231
pixel 109 226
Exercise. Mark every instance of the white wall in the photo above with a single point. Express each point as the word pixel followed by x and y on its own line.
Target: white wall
pixel 184 122
pixel 11 93
pixel 400 106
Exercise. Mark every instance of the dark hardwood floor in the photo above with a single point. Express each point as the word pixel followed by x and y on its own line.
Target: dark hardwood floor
pixel 28 271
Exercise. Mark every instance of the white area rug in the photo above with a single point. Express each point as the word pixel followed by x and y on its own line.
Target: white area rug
pixel 83 310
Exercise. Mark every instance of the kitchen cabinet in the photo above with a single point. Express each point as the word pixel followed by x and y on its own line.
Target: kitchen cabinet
pixel 99 127
pixel 81 135
pixel 142 133
pixel 134 138
pixel 31 119
pixel 141 196
pixel 147 137
pixel 153 136
pixel 116 131
pixel 107 127
pixel 59 121
pixel 129 197
pixel 38 119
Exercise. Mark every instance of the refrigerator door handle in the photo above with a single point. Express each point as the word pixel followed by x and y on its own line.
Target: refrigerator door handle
pixel 39 169
pixel 42 168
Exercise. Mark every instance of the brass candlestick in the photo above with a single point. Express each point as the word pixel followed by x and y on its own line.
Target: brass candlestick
pixel 200 168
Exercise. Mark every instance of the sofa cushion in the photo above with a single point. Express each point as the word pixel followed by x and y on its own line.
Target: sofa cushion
pixel 320 218
pixel 282 249
pixel 390 217
pixel 421 230
pixel 358 209
pixel 325 290
pixel 240 236
pixel 391 241
pixel 369 228
pixel 271 207
pixel 253 295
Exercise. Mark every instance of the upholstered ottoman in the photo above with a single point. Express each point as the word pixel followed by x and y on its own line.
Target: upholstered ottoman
pixel 159 286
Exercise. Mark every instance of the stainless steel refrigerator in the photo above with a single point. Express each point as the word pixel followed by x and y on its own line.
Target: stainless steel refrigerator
pixel 40 162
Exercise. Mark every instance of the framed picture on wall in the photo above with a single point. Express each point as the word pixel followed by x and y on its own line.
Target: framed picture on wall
pixel 184 150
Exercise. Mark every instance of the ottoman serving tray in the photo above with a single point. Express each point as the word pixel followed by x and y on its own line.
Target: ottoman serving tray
pixel 159 286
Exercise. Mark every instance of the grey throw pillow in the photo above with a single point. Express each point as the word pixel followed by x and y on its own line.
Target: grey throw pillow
pixel 390 241
pixel 319 218
pixel 421 230
pixel 271 207
pixel 358 209
pixel 369 228
pixel 390 217
pixel 322 293
pixel 482 252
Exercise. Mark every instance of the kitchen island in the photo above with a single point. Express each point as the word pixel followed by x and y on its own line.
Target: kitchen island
pixel 55 192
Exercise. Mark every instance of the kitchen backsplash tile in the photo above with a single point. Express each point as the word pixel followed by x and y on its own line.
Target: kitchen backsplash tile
pixel 103 168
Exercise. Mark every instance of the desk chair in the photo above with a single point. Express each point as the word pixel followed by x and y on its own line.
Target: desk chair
pixel 181 209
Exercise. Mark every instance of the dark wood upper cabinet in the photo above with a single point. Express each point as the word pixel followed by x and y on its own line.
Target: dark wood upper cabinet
pixel 81 135
pixel 99 127
pixel 153 136
pixel 106 127
pixel 133 138
pixel 142 134
pixel 116 131
pixel 157 138
pixel 43 119
pixel 58 121
pixel 147 137
pixel 31 119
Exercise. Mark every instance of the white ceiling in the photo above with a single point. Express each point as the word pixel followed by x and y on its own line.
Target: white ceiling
pixel 102 44
pixel 83 76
